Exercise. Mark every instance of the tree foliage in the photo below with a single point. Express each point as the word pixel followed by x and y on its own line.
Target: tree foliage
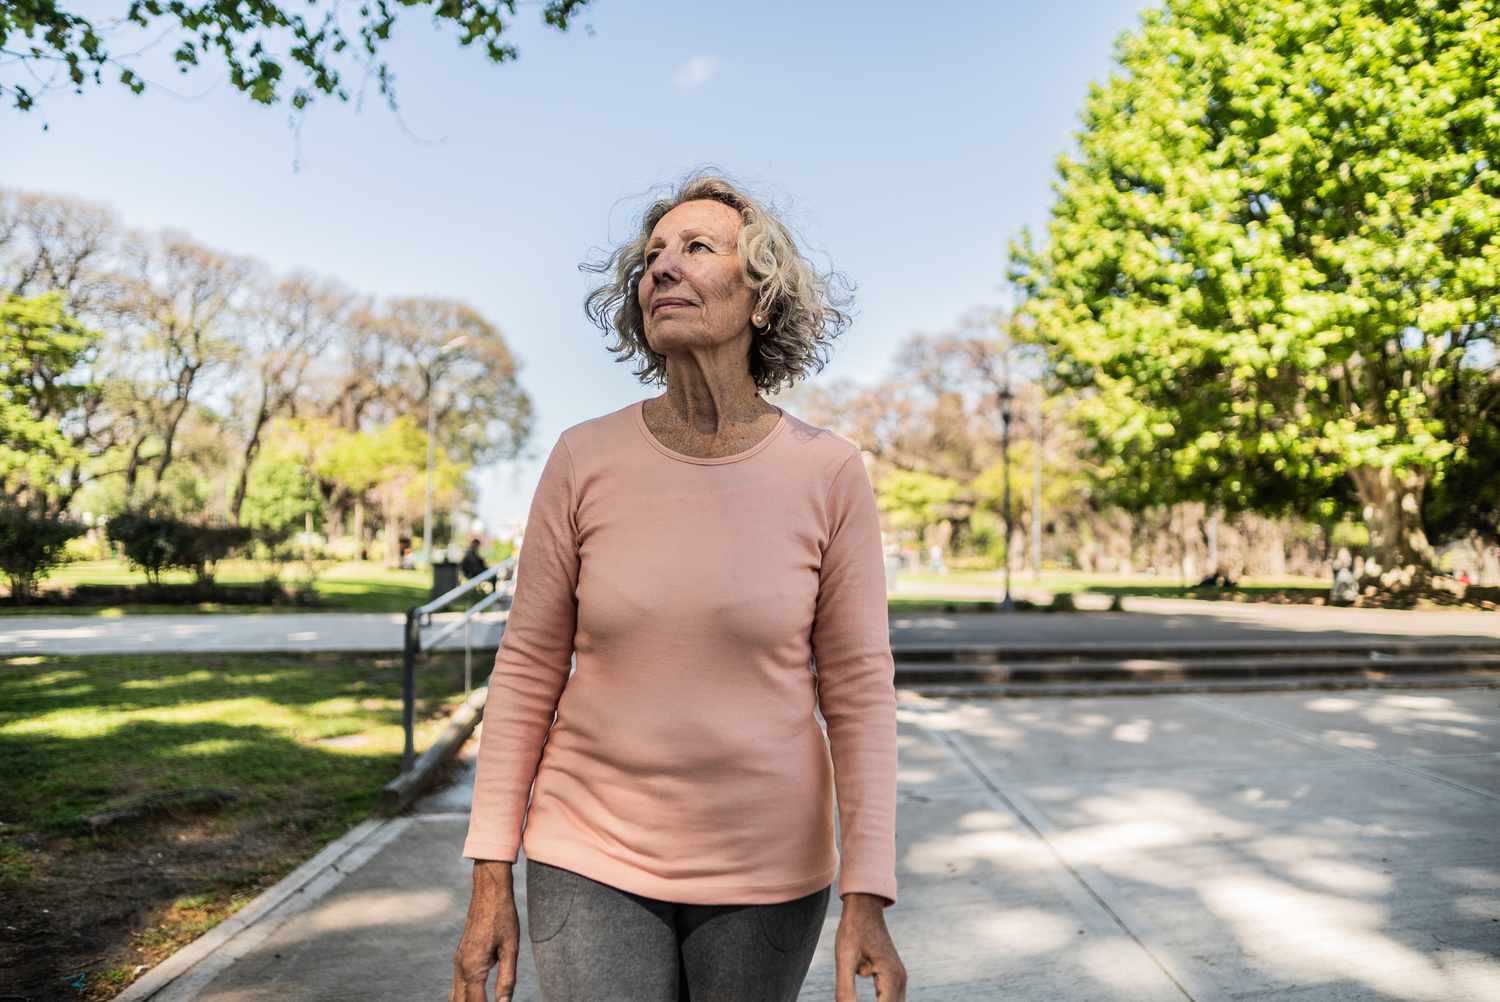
pixel 31 545
pixel 154 542
pixel 200 353
pixel 1272 267
pixel 258 42
pixel 40 346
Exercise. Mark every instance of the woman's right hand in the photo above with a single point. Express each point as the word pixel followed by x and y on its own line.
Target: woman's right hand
pixel 492 932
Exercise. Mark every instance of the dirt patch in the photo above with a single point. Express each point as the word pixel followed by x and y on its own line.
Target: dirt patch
pixel 163 793
pixel 95 913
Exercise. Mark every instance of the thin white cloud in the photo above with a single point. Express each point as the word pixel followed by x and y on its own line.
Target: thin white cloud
pixel 694 72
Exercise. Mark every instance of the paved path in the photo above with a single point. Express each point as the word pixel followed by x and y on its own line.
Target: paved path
pixel 326 631
pixel 1309 846
pixel 1147 620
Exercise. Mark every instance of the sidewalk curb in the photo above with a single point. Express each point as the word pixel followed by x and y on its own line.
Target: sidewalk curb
pixel 184 973
pixel 399 793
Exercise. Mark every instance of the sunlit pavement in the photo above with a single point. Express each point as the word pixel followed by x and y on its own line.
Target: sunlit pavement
pixel 327 631
pixel 1146 620
pixel 1255 846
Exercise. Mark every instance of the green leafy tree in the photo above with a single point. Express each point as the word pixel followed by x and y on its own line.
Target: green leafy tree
pixel 40 346
pixel 30 546
pixel 399 450
pixel 913 499
pixel 1271 269
pixel 154 542
pixel 1466 500
pixel 282 488
pixel 353 463
pixel 258 42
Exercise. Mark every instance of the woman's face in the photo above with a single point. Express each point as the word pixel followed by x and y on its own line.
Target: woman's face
pixel 693 291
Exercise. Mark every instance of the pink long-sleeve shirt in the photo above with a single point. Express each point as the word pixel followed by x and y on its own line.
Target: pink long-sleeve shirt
pixel 710 605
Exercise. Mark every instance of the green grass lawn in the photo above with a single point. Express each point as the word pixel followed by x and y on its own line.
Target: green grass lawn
pixel 367 586
pixel 278 754
pixel 354 586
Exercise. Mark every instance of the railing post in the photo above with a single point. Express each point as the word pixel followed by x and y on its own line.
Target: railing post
pixel 409 688
pixel 411 646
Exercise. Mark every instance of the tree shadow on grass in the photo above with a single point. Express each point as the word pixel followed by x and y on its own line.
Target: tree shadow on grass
pixel 295 749
pixel 97 685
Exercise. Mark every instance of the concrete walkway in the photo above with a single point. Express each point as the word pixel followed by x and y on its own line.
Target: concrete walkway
pixel 326 631
pixel 1146 620
pixel 1212 848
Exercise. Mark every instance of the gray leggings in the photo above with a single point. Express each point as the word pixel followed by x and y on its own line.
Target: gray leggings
pixel 593 942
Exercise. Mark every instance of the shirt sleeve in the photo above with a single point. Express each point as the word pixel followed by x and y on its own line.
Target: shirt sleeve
pixel 856 678
pixel 531 666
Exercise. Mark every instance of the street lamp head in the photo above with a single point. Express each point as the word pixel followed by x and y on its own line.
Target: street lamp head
pixel 1006 397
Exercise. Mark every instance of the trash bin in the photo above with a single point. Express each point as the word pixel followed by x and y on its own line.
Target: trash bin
pixel 444 577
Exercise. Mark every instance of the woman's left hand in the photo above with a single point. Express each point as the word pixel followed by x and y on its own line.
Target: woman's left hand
pixel 863 946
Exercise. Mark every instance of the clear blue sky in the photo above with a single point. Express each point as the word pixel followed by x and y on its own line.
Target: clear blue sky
pixel 906 142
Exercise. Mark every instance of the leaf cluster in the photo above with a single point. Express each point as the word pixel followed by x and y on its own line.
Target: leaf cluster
pixel 1274 258
pixel 258 40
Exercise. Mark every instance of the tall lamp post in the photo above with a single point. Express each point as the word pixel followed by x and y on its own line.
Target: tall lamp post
pixel 442 353
pixel 1006 398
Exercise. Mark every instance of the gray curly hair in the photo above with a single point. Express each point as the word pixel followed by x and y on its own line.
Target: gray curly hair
pixel 804 310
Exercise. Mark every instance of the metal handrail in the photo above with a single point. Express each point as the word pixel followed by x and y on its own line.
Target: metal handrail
pixel 411 644
pixel 474 609
pixel 469 585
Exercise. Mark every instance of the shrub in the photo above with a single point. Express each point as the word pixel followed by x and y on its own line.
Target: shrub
pixel 31 545
pixel 148 542
pixel 343 548
pixel 155 542
pixel 89 546
pixel 206 545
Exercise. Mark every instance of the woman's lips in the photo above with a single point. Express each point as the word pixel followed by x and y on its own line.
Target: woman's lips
pixel 668 304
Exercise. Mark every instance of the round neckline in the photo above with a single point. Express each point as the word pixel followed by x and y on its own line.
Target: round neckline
pixel 640 422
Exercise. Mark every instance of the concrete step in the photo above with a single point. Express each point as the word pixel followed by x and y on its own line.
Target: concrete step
pixel 1486 679
pixel 970 653
pixel 1168 669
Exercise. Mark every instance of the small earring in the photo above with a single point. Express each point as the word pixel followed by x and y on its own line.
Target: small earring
pixel 758 320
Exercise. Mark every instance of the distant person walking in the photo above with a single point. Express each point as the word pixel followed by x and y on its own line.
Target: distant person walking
pixel 472 565
pixel 935 559
pixel 696 553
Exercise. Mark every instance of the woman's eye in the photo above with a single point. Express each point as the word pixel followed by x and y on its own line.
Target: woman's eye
pixel 696 243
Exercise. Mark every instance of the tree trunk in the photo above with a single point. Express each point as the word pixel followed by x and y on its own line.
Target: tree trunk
pixel 169 438
pixel 1211 539
pixel 359 525
pixel 252 448
pixel 1277 551
pixel 133 467
pixel 392 549
pixel 1391 506
pixel 1036 511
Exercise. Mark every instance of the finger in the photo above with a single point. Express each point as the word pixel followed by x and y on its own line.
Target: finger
pixel 469 977
pixel 505 984
pixel 890 982
pixel 465 990
pixel 843 985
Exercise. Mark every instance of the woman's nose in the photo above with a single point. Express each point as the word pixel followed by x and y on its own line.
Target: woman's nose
pixel 664 267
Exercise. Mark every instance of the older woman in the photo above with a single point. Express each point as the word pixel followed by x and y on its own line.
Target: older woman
pixel 713 565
